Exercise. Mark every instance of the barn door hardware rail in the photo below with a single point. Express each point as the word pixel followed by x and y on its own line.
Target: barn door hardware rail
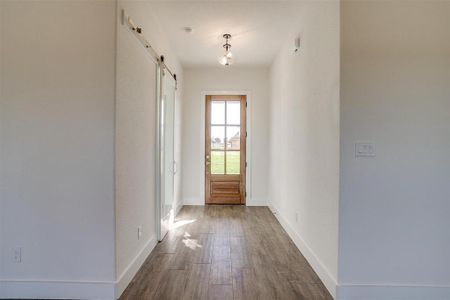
pixel 138 33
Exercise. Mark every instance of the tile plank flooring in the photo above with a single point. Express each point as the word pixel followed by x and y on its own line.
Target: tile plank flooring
pixel 226 252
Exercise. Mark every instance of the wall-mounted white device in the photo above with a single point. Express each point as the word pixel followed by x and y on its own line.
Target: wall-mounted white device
pixel 364 149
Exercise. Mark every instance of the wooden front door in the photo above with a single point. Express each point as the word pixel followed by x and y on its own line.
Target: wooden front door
pixel 225 143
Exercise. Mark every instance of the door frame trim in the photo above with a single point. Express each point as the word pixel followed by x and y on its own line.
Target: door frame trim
pixel 158 152
pixel 201 158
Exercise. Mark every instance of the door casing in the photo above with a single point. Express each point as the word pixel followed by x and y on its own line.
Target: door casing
pixel 226 186
pixel 201 154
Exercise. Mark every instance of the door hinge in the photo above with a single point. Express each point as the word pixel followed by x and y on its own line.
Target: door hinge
pixel 246 134
pixel 246 164
pixel 245 103
pixel 245 193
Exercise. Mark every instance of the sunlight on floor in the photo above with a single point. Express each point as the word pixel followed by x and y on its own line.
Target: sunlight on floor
pixel 180 223
pixel 190 243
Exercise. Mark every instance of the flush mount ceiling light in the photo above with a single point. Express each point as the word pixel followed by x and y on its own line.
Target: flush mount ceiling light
pixel 226 58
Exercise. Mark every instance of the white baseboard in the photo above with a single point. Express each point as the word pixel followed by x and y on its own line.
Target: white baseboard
pixel 362 291
pixel 54 289
pixel 256 202
pixel 392 292
pixel 30 289
pixel 193 201
pixel 130 271
pixel 249 202
pixel 178 207
pixel 328 280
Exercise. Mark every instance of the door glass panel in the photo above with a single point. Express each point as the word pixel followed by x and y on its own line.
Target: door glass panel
pixel 218 112
pixel 233 162
pixel 217 162
pixel 217 137
pixel 233 112
pixel 233 138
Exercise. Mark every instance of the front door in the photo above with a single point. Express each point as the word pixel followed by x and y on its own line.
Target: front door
pixel 225 149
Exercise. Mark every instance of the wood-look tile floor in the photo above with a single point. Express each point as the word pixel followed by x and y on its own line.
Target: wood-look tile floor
pixel 226 252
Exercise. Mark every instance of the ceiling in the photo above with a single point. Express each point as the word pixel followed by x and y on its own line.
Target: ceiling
pixel 258 29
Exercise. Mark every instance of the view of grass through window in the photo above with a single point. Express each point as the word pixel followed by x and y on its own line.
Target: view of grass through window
pixel 218 162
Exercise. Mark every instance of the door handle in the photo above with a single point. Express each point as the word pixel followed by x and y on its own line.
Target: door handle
pixel 208 160
pixel 207 163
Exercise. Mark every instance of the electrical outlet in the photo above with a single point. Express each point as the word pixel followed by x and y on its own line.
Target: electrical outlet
pixel 139 232
pixel 17 255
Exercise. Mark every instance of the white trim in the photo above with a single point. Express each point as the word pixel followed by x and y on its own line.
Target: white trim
pixel 115 181
pixel 193 201
pixel 178 207
pixel 248 175
pixel 72 289
pixel 256 202
pixel 130 271
pixel 158 162
pixel 327 278
pixel 55 289
pixel 392 292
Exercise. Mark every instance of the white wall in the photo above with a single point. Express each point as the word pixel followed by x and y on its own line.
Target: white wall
pixel 395 208
pixel 304 138
pixel 198 80
pixel 57 130
pixel 56 148
pixel 136 138
pixel 1 148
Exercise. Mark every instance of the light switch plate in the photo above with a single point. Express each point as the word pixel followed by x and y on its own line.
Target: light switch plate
pixel 364 149
pixel 17 255
pixel 139 232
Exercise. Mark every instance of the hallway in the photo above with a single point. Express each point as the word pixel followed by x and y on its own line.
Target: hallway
pixel 226 252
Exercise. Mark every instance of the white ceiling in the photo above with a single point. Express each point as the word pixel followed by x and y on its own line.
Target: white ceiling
pixel 259 28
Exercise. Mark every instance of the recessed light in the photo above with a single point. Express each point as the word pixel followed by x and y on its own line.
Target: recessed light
pixel 188 29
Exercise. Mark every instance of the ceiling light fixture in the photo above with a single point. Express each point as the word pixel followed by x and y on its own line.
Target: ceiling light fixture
pixel 226 58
